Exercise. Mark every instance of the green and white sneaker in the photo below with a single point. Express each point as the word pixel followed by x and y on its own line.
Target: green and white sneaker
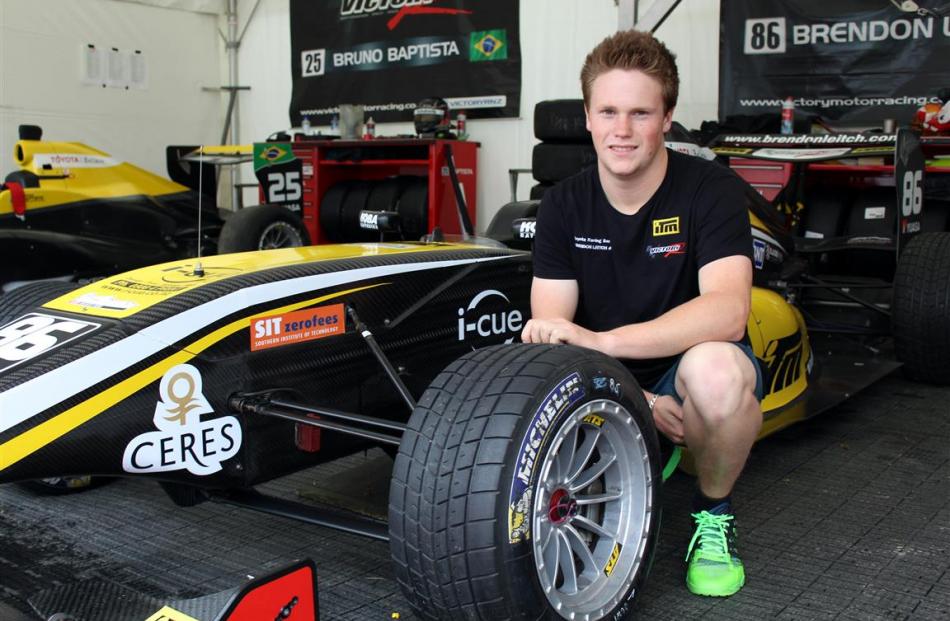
pixel 713 568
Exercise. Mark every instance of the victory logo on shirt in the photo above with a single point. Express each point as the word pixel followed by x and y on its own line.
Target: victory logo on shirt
pixel 667 250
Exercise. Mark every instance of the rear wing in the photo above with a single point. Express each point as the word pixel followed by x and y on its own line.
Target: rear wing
pixel 902 155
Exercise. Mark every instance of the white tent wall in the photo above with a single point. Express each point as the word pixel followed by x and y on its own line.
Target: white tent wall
pixel 555 37
pixel 41 43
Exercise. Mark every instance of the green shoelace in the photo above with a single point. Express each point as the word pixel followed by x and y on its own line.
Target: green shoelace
pixel 711 533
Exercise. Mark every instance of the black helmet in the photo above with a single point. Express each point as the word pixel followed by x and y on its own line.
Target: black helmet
pixel 431 115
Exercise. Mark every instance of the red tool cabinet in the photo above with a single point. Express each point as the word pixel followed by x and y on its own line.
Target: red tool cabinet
pixel 328 162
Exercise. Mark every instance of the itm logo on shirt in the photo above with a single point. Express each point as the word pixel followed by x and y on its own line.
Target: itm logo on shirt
pixel 488 45
pixel 666 226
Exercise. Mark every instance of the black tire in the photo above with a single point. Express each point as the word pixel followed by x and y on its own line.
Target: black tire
pixel 921 309
pixel 356 201
pixel 552 162
pixel 262 227
pixel 331 208
pixel 561 120
pixel 464 534
pixel 414 209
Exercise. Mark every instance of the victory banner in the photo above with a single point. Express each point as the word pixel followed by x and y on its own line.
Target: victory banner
pixel 386 55
pixel 854 61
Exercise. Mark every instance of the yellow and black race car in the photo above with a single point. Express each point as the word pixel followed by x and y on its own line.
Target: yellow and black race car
pixel 527 478
pixel 73 211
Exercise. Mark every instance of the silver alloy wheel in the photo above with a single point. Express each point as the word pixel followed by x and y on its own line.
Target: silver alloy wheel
pixel 592 510
pixel 280 235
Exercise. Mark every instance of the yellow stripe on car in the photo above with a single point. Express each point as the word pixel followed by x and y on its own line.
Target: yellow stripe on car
pixel 37 437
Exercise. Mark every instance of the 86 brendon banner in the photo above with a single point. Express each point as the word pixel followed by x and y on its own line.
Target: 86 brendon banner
pixel 855 61
pixel 386 55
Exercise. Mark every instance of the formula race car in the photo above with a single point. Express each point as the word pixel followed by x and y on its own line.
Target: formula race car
pixel 71 211
pixel 527 478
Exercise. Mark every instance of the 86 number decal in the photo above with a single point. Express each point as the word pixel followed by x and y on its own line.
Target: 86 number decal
pixel 35 334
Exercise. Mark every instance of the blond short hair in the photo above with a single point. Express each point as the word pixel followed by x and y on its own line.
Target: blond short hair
pixel 633 50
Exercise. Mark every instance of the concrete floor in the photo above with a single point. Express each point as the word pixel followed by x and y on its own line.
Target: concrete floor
pixel 846 516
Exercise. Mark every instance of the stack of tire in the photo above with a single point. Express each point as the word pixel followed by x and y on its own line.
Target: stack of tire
pixel 565 147
pixel 342 203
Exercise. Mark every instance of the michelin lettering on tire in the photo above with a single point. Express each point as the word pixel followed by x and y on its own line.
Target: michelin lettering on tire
pixel 183 441
pixel 565 394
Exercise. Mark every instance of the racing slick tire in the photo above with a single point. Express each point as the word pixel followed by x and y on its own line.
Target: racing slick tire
pixel 921 308
pixel 526 486
pixel 262 227
pixel 12 305
pixel 561 120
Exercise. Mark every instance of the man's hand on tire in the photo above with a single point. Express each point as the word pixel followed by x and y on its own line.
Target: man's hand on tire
pixel 668 416
pixel 559 330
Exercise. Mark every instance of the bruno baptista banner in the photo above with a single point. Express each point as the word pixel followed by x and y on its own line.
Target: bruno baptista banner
pixel 386 55
pixel 856 61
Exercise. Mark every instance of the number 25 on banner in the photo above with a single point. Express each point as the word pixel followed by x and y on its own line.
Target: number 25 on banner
pixel 765 36
pixel 912 197
pixel 313 62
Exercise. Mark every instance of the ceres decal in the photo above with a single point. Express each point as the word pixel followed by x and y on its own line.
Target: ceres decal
pixel 488 314
pixel 183 441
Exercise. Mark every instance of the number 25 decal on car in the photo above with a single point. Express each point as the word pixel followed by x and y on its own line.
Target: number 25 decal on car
pixel 36 333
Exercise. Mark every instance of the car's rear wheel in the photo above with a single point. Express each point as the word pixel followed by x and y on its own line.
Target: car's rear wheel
pixel 921 308
pixel 526 486
pixel 262 227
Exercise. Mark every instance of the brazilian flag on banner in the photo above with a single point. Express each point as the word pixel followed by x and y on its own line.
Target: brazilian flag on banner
pixel 488 45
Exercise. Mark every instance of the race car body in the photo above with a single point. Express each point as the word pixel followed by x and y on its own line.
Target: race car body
pixel 132 374
pixel 71 209
pixel 72 212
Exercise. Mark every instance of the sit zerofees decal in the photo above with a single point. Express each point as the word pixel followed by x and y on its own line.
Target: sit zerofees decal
pixel 297 326
pixel 567 392
pixel 183 441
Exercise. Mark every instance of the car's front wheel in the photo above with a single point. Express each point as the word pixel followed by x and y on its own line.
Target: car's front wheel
pixel 921 308
pixel 526 486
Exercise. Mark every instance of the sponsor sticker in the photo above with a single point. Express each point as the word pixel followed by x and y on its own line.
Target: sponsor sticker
pixel 594 419
pixel 487 315
pixel 666 226
pixel 94 300
pixel 612 561
pixel 183 441
pixel 297 327
pixel 875 213
pixel 667 250
pixel 567 392
pixel 34 334
pixel 603 383
pixel 47 161
pixel 758 253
